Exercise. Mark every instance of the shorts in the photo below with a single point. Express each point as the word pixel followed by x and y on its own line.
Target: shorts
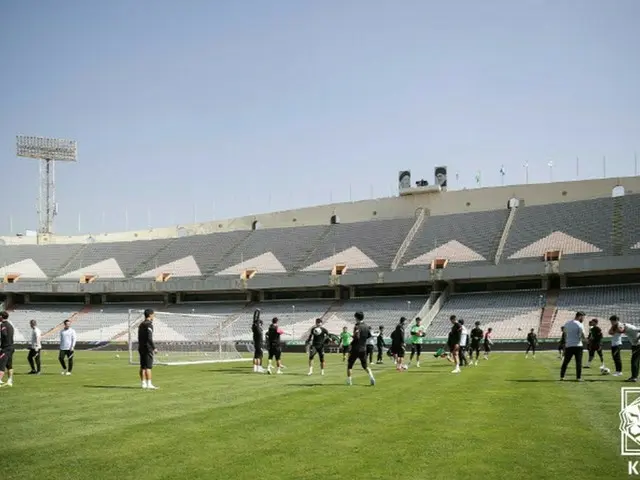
pixel 416 348
pixel 398 350
pixel 313 349
pixel 146 359
pixel 475 347
pixel 362 356
pixel 595 348
pixel 487 347
pixel 257 352
pixel 275 352
pixel 345 349
pixel 370 349
pixel 6 360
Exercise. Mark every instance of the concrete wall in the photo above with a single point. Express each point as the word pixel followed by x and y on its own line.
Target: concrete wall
pixel 438 203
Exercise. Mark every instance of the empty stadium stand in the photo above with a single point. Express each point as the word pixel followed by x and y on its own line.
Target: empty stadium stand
pixel 598 302
pixel 510 314
pixel 37 261
pixel 378 311
pixel 48 317
pixel 361 245
pixel 581 228
pixel 460 238
pixel 630 229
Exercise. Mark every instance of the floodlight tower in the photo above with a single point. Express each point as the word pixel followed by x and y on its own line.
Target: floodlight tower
pixel 48 151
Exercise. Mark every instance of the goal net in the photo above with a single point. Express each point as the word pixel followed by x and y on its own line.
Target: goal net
pixel 185 339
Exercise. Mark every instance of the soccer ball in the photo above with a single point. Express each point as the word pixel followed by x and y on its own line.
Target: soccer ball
pixel 117 355
pixel 605 371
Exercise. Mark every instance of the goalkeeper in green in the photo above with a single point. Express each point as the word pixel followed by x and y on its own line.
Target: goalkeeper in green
pixel 344 340
pixel 417 334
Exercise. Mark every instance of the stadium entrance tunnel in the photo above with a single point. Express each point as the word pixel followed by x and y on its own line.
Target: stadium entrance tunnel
pixel 11 277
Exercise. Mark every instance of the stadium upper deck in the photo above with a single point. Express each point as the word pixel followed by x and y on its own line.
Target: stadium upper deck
pixel 380 240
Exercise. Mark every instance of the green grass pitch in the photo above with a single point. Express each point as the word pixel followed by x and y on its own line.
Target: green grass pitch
pixel 508 418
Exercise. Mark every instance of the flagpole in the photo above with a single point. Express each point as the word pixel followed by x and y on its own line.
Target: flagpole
pixel 550 171
pixel 577 168
pixel 635 164
pixel 604 167
pixel 526 172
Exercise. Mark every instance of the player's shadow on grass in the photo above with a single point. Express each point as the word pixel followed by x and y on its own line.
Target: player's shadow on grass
pixel 548 380
pixel 113 387
pixel 237 371
pixel 325 385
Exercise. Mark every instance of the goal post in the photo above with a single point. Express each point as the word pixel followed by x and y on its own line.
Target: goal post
pixel 185 338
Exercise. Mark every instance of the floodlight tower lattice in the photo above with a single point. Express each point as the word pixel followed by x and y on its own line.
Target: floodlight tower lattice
pixel 48 151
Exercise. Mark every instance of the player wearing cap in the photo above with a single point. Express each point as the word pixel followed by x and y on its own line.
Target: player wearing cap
pixel 318 338
pixel 67 347
pixel 258 338
pixel 6 349
pixel 146 349
pixel 361 333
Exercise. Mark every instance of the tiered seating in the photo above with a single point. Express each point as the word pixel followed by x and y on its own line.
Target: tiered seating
pixel 378 240
pixel 207 251
pixel 460 238
pixel 47 316
pixel 296 317
pixel 49 258
pixel 631 214
pixel 576 228
pixel 510 314
pixel 598 302
pixel 103 323
pixel 126 254
pixel 289 246
pixel 377 311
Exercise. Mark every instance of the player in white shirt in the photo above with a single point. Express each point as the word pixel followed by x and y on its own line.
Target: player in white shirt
pixel 35 346
pixel 67 347
pixel 575 345
pixel 633 334
pixel 616 344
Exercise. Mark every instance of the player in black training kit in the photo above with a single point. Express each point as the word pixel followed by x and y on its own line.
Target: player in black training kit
pixel 532 341
pixel 361 333
pixel 6 349
pixel 380 344
pixel 562 343
pixel 594 343
pixel 454 342
pixel 273 341
pixel 318 338
pixel 398 345
pixel 146 349
pixel 258 338
pixel 475 338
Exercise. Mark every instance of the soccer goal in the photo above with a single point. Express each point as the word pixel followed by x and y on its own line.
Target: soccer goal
pixel 185 338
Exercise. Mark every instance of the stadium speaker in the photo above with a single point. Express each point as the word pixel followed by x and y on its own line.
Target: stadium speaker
pixel 88 278
pixel 163 277
pixel 248 273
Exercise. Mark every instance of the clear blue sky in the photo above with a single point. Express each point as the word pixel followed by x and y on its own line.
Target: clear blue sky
pixel 248 106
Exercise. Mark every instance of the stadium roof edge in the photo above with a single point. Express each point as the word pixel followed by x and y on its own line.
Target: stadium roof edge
pixel 438 203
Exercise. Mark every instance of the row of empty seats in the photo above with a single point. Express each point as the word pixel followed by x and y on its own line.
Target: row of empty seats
pixel 605 226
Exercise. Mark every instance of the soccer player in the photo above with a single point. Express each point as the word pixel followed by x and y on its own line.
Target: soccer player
pixel 454 342
pixel 487 343
pixel 397 345
pixel 633 334
pixel 476 339
pixel 616 344
pixel 6 349
pixel 464 338
pixel 345 342
pixel 575 345
pixel 275 350
pixel 417 333
pixel 258 338
pixel 361 333
pixel 594 343
pixel 380 344
pixel 318 338
pixel 371 346
pixel 35 346
pixel 532 341
pixel 563 342
pixel 146 349
pixel 67 347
